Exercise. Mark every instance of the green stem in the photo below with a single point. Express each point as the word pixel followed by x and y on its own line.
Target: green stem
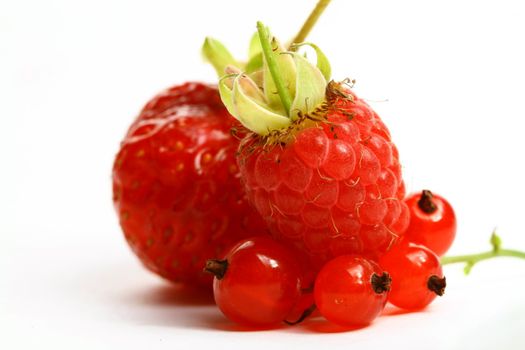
pixel 269 55
pixel 475 258
pixel 310 21
pixel 471 259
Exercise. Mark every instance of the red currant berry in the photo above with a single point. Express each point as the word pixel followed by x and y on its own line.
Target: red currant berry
pixel 258 283
pixel 416 273
pixel 432 222
pixel 351 291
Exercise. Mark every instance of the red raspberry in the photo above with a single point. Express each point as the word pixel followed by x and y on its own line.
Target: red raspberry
pixel 335 186
pixel 319 165
pixel 176 184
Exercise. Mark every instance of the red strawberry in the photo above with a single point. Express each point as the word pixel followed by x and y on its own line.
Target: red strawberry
pixel 320 166
pixel 176 184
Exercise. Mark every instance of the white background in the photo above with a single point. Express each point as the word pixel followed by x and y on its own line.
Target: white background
pixel 447 77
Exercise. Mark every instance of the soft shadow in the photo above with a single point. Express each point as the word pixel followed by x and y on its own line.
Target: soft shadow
pixel 172 294
pixel 169 305
pixel 132 295
pixel 173 305
pixel 320 325
pixel 223 324
pixel 391 310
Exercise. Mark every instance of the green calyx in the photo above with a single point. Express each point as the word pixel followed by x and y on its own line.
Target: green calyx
pixel 274 87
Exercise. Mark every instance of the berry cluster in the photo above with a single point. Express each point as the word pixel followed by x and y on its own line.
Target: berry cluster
pixel 287 188
pixel 261 282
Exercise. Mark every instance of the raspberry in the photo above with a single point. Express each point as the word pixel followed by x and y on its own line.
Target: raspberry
pixel 335 188
pixel 319 164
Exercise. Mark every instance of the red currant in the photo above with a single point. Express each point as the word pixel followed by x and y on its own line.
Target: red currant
pixel 432 221
pixel 351 291
pixel 416 273
pixel 258 283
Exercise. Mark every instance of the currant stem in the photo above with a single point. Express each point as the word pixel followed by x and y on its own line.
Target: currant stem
pixel 310 21
pixel 437 284
pixel 381 283
pixel 425 202
pixel 304 315
pixel 471 259
pixel 216 267
pixel 269 55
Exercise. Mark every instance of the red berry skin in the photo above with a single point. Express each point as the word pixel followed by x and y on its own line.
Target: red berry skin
pixel 332 188
pixel 176 184
pixel 344 293
pixel 261 285
pixel 435 230
pixel 410 266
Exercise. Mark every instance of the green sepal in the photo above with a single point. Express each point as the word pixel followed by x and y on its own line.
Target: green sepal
pixel 250 89
pixel 310 87
pixel 255 46
pixel 255 56
pixel 251 114
pixel 218 55
pixel 255 63
pixel 322 61
pixel 225 91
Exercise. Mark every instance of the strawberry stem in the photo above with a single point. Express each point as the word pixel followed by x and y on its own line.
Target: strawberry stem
pixel 310 21
pixel 269 55
pixel 471 259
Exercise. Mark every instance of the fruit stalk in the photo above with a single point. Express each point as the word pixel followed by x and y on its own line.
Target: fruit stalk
pixel 310 21
pixel 303 317
pixel 264 37
pixel 471 259
pixel 425 203
pixel 216 267
pixel 437 284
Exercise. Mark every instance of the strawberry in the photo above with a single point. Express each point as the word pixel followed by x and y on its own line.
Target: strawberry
pixel 319 164
pixel 176 184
